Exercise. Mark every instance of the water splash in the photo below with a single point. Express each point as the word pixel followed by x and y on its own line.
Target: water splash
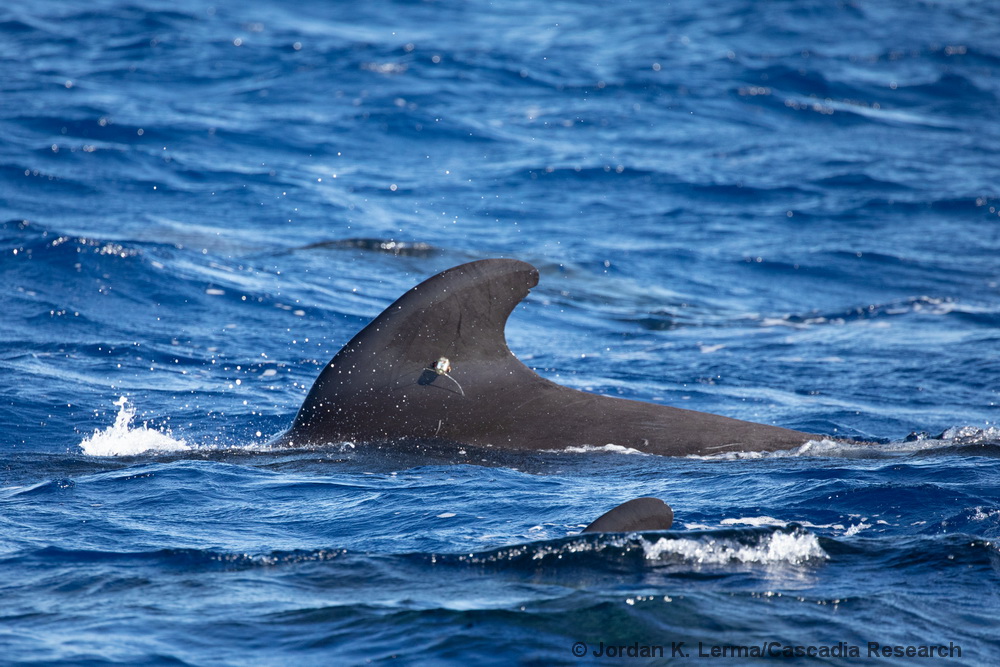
pixel 123 439
pixel 779 547
pixel 971 435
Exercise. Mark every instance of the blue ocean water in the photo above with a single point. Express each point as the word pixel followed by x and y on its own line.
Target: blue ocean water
pixel 785 212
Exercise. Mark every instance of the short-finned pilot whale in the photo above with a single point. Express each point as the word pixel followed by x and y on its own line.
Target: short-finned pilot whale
pixel 435 366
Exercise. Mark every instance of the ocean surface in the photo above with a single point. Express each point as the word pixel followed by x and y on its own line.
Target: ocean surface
pixel 784 212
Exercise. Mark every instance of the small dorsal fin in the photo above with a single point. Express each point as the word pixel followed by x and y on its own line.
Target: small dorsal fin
pixel 637 514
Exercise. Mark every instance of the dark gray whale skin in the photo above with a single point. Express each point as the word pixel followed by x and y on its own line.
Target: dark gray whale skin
pixel 638 514
pixel 382 386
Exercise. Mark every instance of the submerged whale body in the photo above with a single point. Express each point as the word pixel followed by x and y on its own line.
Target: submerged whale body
pixel 435 366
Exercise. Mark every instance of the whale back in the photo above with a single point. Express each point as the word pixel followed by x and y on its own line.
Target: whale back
pixel 435 364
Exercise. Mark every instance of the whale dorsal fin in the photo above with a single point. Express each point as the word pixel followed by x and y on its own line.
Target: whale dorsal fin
pixel 637 514
pixel 456 318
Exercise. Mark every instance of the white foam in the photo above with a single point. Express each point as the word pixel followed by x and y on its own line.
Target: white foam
pixel 981 515
pixel 793 548
pixel 771 521
pixel 825 447
pixel 754 521
pixel 833 448
pixel 123 439
pixel 971 435
pixel 811 448
pixel 856 528
pixel 810 524
pixel 588 449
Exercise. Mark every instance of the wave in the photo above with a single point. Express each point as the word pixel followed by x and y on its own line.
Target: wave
pixel 390 246
pixel 720 548
pixel 790 547
pixel 986 440
pixel 762 545
pixel 186 558
pixel 924 305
